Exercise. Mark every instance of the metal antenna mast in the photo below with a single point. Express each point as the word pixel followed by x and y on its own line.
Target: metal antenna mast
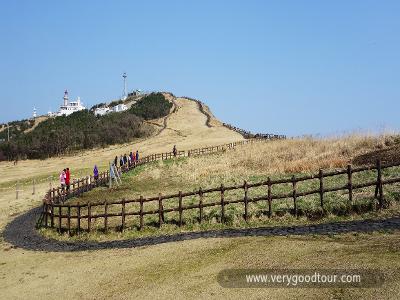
pixel 125 93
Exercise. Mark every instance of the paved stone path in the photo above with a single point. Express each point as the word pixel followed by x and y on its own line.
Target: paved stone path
pixel 21 233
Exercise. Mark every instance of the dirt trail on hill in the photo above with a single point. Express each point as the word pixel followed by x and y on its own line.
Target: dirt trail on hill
pixel 164 120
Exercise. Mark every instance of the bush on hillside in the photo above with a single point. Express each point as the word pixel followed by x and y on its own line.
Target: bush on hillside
pixel 80 130
pixel 152 106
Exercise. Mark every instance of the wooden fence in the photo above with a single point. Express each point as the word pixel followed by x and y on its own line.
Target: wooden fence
pixel 85 184
pixel 249 135
pixel 70 217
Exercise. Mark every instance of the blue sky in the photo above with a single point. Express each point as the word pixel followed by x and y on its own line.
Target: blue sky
pixel 290 67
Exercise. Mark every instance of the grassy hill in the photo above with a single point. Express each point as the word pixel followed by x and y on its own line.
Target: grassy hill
pixel 83 130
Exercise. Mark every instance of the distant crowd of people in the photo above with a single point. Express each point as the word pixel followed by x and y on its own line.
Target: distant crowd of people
pixel 127 161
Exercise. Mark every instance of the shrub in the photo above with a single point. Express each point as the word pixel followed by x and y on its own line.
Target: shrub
pixel 152 106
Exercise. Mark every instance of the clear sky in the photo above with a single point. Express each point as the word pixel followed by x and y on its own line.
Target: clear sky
pixel 290 67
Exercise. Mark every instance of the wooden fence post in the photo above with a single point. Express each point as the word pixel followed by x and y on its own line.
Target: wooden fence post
pixel 89 208
pixel 269 197
pixel 51 216
pixel 59 194
pixel 105 216
pixel 79 218
pixel 50 183
pixel 33 186
pixel 321 187
pixel 222 204
pixel 245 201
pixel 200 205
pixel 294 182
pixel 123 216
pixel 42 216
pixel 46 216
pixel 160 211
pixel 73 188
pixel 69 219
pixel 180 208
pixel 59 218
pixel 141 213
pixel 379 183
pixel 350 183
pixel 110 179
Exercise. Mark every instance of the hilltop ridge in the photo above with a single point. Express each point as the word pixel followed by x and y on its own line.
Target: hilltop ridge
pixel 184 126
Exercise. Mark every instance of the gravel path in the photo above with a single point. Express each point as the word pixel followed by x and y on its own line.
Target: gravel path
pixel 21 233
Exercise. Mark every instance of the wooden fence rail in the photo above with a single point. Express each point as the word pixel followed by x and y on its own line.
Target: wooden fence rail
pixel 54 213
pixel 85 184
pixel 248 135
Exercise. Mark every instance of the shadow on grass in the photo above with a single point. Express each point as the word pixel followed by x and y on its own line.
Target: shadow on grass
pixel 21 233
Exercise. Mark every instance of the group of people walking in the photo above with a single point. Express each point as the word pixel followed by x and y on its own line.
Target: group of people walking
pixel 127 161
pixel 123 162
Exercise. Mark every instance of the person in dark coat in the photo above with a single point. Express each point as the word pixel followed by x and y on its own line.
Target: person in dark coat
pixel 95 173
pixel 137 155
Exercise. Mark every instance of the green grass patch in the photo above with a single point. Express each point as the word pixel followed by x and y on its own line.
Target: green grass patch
pixel 159 177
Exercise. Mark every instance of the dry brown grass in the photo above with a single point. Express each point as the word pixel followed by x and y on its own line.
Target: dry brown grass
pixel 263 159
pixel 252 162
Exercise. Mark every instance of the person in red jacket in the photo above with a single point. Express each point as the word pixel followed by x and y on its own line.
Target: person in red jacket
pixel 67 179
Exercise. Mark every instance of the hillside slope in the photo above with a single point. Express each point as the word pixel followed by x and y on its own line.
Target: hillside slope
pixel 185 128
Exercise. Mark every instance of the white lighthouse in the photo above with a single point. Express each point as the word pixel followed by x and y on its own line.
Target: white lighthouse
pixel 68 107
pixel 65 98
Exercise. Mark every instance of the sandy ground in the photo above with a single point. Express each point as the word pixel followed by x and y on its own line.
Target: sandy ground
pixel 186 270
pixel 178 270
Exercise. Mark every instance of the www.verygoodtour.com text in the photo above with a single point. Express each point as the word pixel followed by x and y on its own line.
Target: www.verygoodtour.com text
pixel 300 278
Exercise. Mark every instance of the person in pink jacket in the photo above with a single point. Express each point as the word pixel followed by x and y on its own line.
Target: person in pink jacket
pixel 62 180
